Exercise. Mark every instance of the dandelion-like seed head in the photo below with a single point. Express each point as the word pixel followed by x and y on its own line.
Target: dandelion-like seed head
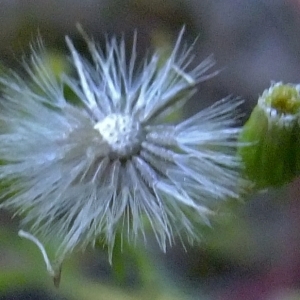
pixel 112 164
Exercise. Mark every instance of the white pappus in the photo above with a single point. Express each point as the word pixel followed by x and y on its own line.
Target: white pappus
pixel 111 163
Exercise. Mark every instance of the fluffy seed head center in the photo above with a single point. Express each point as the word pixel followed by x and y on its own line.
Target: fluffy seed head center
pixel 122 133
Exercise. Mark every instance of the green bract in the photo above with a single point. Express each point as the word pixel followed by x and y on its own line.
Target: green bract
pixel 271 137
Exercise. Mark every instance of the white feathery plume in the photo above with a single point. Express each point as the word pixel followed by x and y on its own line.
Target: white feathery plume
pixel 81 173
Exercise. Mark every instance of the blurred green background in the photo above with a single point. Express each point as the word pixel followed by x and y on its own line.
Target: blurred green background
pixel 252 251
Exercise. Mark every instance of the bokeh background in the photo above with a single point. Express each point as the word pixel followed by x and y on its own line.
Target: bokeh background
pixel 252 252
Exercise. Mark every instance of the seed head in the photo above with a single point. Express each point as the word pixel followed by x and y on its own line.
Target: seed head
pixel 83 172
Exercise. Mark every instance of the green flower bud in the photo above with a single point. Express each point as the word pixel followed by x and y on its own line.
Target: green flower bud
pixel 271 137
